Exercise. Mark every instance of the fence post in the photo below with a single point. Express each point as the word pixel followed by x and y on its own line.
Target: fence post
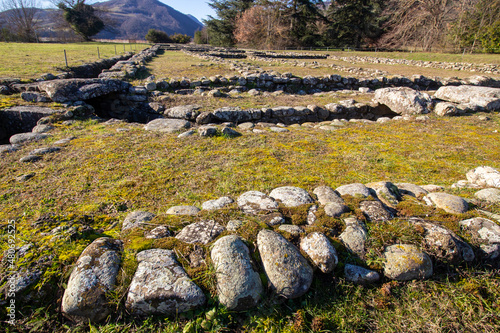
pixel 98 54
pixel 65 59
pixel 123 47
pixel 115 49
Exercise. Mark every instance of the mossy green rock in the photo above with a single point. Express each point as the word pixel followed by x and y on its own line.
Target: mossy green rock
pixel 94 275
pixel 406 262
pixel 288 272
pixel 238 284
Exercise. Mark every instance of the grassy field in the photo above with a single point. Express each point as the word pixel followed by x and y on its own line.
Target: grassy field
pixel 29 61
pixel 103 174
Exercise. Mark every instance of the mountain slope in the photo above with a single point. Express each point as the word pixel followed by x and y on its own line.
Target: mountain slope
pixel 133 18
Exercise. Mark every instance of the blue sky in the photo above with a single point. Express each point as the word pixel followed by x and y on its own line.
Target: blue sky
pixel 197 8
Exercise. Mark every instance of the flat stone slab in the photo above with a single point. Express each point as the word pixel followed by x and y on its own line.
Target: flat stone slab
pixel 485 97
pixel 354 190
pixel 201 232
pixel 411 189
pixel 216 204
pixel 92 278
pixel 22 138
pixel 254 202
pixel 294 230
pixel 21 119
pixel 289 274
pixel 449 203
pixel 360 275
pixel 136 219
pixel 167 125
pixel 291 196
pixel 375 211
pixel 187 112
pixel 183 210
pixel 406 262
pixel 160 286
pixel 403 100
pixel 386 192
pixel 238 284
pixel 484 176
pixel 327 194
pixel 321 251
pixel 490 195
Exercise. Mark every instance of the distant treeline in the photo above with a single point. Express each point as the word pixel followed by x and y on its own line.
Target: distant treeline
pixel 464 25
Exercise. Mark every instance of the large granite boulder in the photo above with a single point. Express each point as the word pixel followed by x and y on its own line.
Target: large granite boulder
pixel 167 125
pixel 327 194
pixel 406 262
pixel 484 176
pixel 22 138
pixel 449 203
pixel 201 232
pixel 21 119
pixel 404 101
pixel 490 195
pixel 71 90
pixel 291 196
pixel 289 274
pixel 485 233
pixel 354 190
pixel 160 286
pixel 386 192
pixel 254 202
pixel 187 112
pixel 136 219
pixel 238 284
pixel 354 236
pixel 443 244
pixel 92 278
pixel 321 251
pixel 486 97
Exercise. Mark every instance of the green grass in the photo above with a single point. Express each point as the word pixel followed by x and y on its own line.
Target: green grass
pixel 104 174
pixel 29 61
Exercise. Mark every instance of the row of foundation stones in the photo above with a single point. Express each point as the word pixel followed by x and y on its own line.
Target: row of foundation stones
pixel 160 285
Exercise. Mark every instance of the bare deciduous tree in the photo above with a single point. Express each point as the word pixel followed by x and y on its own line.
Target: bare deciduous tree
pixel 21 17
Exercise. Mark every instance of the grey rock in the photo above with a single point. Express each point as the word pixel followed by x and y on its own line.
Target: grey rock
pixel 230 132
pixel 326 194
pixel 160 286
pixel 246 126
pixel 254 202
pixel 294 230
pixel 449 203
pixel 445 109
pixel 45 150
pixel 354 236
pixel 403 100
pixel 355 190
pixel 321 251
pixel 8 148
pixel 335 209
pixel 158 232
pixel 238 284
pixel 360 275
pixel 64 141
pixel 406 262
pixel 432 188
pixel 291 196
pixel 443 243
pixel 483 176
pixel 234 225
pixel 207 131
pixel 482 230
pixel 278 129
pixel 35 97
pixel 311 215
pixel 490 195
pixel 136 219
pixel 186 134
pixel 375 211
pixel 30 159
pixel 273 219
pixel 411 189
pixel 22 138
pixel 485 97
pixel 386 192
pixel 289 274
pixel 232 114
pixel 187 112
pixel 42 128
pixel 201 232
pixel 167 125
pixel 93 276
pixel 183 210
pixel 71 90
pixel 25 177
pixel 216 204
pixel 21 119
